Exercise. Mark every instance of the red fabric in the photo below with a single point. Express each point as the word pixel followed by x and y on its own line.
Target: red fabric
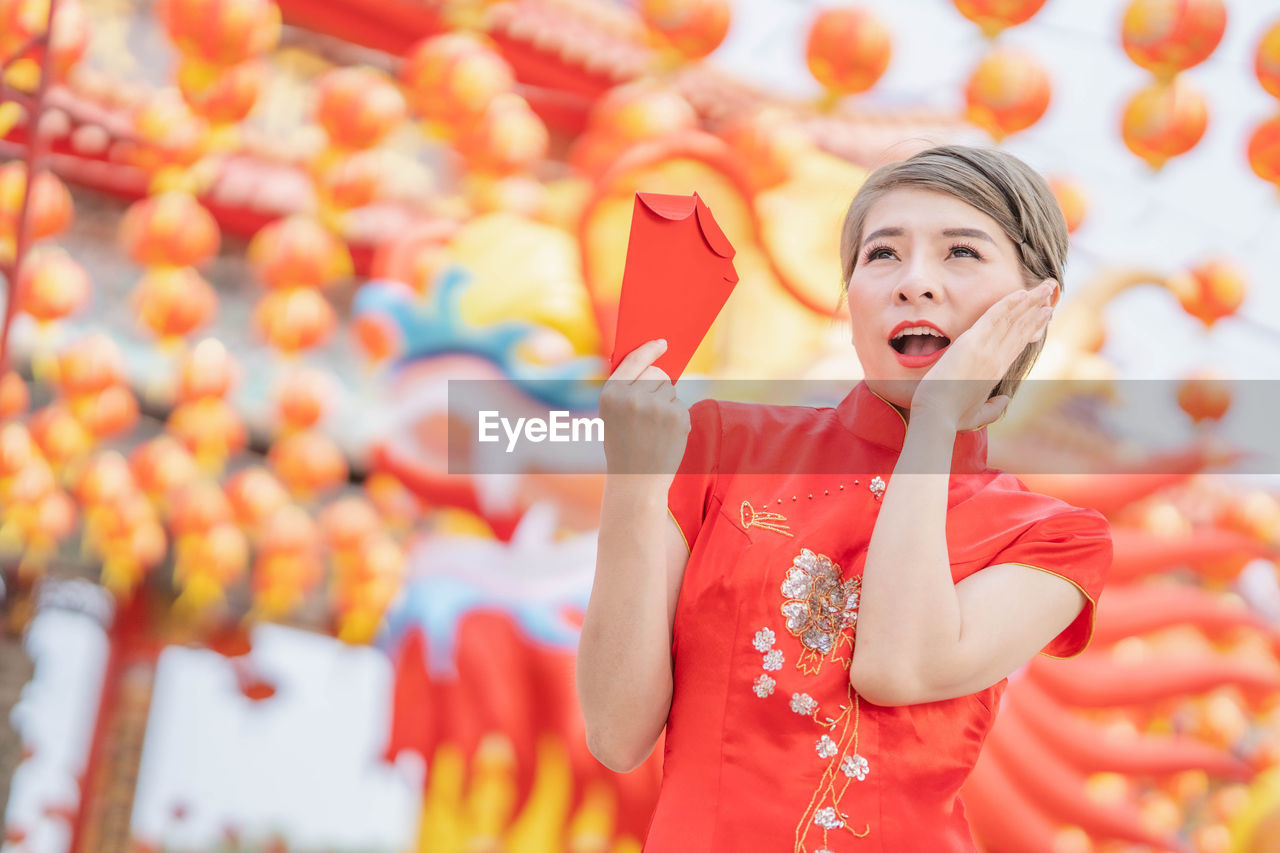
pixel 743 772
pixel 679 273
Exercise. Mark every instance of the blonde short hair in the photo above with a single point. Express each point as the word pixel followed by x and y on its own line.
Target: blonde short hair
pixel 996 183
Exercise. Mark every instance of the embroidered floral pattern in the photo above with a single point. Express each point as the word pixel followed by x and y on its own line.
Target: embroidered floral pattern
pixel 763 686
pixel 773 660
pixel 803 703
pixel 855 767
pixel 764 640
pixel 820 609
pixel 827 747
pixel 827 818
pixel 877 487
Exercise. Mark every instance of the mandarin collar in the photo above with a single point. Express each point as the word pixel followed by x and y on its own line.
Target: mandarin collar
pixel 871 417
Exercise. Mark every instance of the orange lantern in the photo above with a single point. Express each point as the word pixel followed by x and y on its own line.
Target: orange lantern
pixel 255 493
pixel 303 398
pixel 308 463
pixel 347 521
pixel 23 20
pixel 51 284
pixel 288 564
pixel 90 366
pixel 162 465
pixel 767 143
pixel 392 498
pixel 218 94
pixel 1008 91
pixel 349 180
pixel 378 336
pixel 1204 396
pixel 1264 150
pixel 172 302
pixel 170 229
pixel 14 397
pixel 1164 120
pixel 995 16
pixel 693 28
pixel 111 412
pixel 1167 37
pixel 298 251
pixel 1071 199
pixel 1211 290
pixel 55 519
pixel 450 79
pixel 206 564
pixel 358 106
pixel 169 133
pixel 221 32
pixel 508 137
pixel 295 319
pixel 848 49
pixel 59 435
pixel 641 110
pixel 105 479
pixel 207 370
pixel 50 209
pixel 210 429
pixel 1267 62
pixel 196 507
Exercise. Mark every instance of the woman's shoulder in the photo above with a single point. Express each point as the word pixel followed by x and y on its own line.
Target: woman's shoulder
pixel 1005 496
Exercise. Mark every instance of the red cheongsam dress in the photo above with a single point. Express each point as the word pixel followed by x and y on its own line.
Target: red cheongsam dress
pixel 768 748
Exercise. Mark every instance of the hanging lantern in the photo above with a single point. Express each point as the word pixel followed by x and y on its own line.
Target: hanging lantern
pixel 294 320
pixel 207 370
pixel 288 564
pixel 50 208
pixel 365 585
pixel 221 95
pixel 1204 396
pixel 508 137
pixel 1008 91
pixel 1264 150
pixel 768 143
pixel 358 106
pixel 308 463
pixel 162 465
pixel 255 494
pixel 90 366
pixel 59 435
pixel 350 181
pixel 298 251
pixel 693 28
pixel 848 49
pixel 378 336
pixel 21 21
pixel 1166 37
pixel 1071 200
pixel 197 507
pixel 627 114
pixel 450 79
pixel 347 521
pixel 1211 290
pixel 14 397
pixel 169 134
pixel 210 428
pixel 105 479
pixel 51 284
pixel 1164 120
pixel 172 302
pixel 221 32
pixel 109 413
pixel 1267 62
pixel 302 399
pixel 996 16
pixel 170 229
pixel 207 564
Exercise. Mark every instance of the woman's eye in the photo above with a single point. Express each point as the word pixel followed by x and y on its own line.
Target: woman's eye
pixel 879 252
pixel 969 251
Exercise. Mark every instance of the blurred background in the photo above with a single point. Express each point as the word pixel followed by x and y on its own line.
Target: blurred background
pixel 246 243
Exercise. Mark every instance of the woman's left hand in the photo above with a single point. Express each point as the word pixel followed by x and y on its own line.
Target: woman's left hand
pixel 956 386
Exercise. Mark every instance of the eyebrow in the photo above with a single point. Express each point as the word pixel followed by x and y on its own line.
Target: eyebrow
pixel 948 232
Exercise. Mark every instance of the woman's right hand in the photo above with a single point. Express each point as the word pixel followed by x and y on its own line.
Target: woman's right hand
pixel 645 424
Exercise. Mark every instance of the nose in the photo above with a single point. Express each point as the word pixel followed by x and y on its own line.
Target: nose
pixel 917 285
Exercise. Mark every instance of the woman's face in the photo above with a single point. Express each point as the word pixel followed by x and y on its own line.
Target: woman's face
pixel 926 259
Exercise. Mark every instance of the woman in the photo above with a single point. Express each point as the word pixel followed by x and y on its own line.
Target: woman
pixel 827 650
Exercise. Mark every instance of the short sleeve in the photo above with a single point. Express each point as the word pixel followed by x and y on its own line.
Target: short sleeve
pixel 690 494
pixel 1074 545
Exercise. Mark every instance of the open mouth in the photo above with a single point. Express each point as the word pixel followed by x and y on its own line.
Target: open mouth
pixel 919 344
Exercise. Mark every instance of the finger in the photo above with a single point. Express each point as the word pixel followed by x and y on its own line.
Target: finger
pixel 638 359
pixel 656 375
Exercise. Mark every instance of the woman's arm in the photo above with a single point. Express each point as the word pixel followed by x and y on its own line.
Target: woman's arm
pixel 624 657
pixel 624 653
pixel 922 638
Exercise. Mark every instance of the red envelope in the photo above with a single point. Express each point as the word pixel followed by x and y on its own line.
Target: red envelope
pixel 678 275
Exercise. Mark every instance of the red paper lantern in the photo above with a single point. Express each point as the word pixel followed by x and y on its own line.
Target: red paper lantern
pixel 627 114
pixel 995 16
pixel 303 398
pixel 347 521
pixel 104 480
pixel 221 32
pixel 52 284
pixel 767 143
pixel 378 336
pixel 294 320
pixel 161 465
pixel 1211 290
pixel 350 179
pixel 168 132
pixel 112 412
pixel 255 494
pixel 14 397
pixel 1071 199
pixel 298 251
pixel 207 370
pixel 358 106
pixel 1267 62
pixel 210 428
pixel 1166 37
pixel 308 463
pixel 59 435
pixel 197 507
pixel 1264 150
pixel 90 366
pixel 220 95
pixel 50 209
pixel 1204 396
pixel 170 229
pixel 1164 120
pixel 1008 91
pixel 508 137
pixel 450 79
pixel 172 302
pixel 22 20
pixel 848 49
pixel 693 27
